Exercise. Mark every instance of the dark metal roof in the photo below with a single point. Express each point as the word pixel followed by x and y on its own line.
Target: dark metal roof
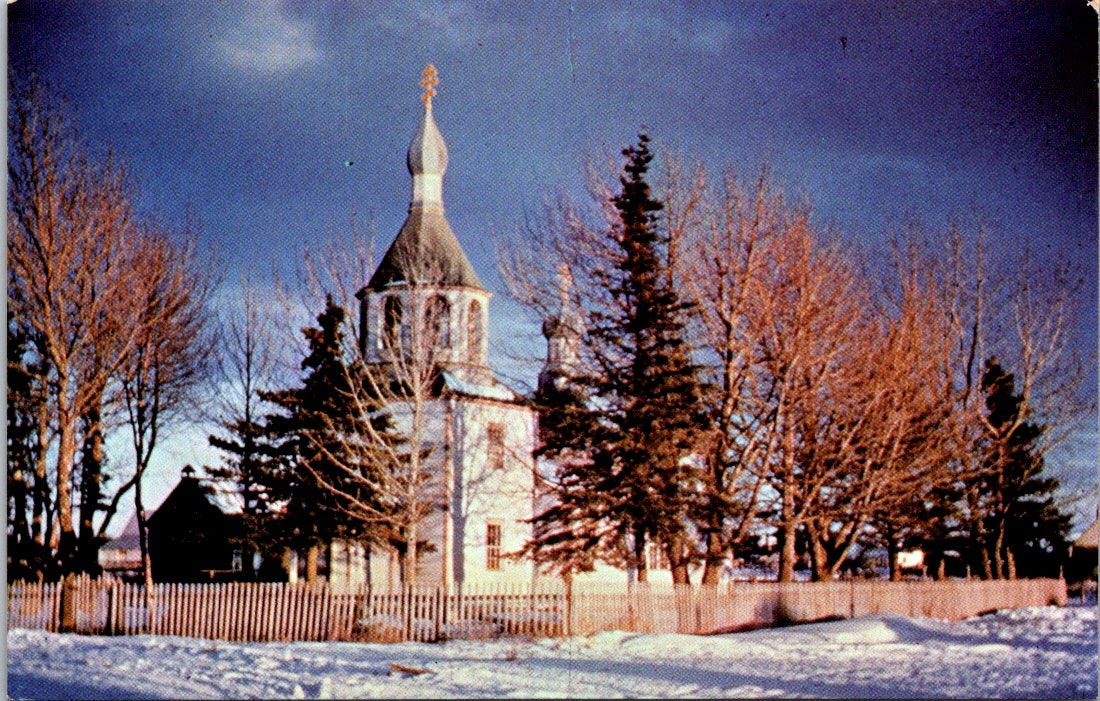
pixel 425 251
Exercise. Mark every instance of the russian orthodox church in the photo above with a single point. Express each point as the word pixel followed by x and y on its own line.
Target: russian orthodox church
pixel 423 319
pixel 425 300
pixel 424 307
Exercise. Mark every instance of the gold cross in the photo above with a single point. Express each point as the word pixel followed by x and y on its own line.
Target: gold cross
pixel 428 83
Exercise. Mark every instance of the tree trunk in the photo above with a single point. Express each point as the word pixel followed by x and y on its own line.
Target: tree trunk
pixel 639 555
pixel 715 559
pixel 146 562
pixel 985 570
pixel 997 565
pixel 313 557
pixel 90 492
pixel 411 555
pixel 41 501
pixel 819 558
pixel 717 543
pixel 678 560
pixel 143 538
pixel 66 453
pixel 892 550
pixel 786 552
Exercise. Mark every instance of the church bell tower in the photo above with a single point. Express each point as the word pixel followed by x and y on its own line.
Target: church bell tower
pixel 424 295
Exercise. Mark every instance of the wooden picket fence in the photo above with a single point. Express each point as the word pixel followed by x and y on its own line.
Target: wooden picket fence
pixel 266 612
pixel 737 606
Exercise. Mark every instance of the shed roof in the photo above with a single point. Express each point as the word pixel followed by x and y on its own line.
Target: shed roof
pixel 1089 538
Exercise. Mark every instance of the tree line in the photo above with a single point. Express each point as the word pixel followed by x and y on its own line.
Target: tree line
pixel 743 380
pixel 734 372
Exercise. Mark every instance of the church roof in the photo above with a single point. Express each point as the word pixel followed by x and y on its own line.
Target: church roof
pixel 492 389
pixel 425 249
pixel 428 150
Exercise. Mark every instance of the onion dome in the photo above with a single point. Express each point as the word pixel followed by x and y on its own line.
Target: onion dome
pixel 425 250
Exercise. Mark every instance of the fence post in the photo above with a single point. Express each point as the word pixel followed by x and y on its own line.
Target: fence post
pixel 405 607
pixel 568 606
pixel 437 613
pixel 67 612
pixel 112 608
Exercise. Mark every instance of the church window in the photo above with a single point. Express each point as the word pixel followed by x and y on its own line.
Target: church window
pixel 439 322
pixel 392 314
pixel 492 546
pixel 474 332
pixel 496 446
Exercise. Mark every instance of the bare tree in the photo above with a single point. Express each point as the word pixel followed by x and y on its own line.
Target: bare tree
pixel 973 307
pixel 1023 323
pixel 894 450
pixel 245 364
pixel 809 329
pixel 385 474
pixel 837 415
pixel 170 357
pixel 726 270
pixel 74 275
pixel 335 268
pixel 404 384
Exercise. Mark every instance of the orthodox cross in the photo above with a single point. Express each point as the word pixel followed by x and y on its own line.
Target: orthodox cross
pixel 428 83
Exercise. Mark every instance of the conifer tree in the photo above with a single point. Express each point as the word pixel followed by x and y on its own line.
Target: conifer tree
pixel 623 431
pixel 27 425
pixel 324 428
pixel 1021 527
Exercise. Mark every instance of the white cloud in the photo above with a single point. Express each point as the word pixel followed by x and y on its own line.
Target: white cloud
pixel 663 29
pixel 712 37
pixel 458 23
pixel 268 39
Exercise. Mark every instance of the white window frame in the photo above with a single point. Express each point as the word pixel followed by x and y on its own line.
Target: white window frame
pixel 493 550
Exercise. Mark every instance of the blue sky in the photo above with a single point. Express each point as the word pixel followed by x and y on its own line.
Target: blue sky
pixel 276 122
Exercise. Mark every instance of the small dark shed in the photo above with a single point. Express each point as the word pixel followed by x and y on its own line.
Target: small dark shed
pixel 198 534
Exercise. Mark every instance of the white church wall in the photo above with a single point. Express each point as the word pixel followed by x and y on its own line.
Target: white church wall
pixel 486 488
pixel 497 490
pixel 347 563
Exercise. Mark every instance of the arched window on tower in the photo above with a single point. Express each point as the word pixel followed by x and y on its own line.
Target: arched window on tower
pixel 392 320
pixel 475 332
pixel 439 322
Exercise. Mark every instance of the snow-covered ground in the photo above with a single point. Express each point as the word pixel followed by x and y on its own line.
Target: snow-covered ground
pixel 1037 652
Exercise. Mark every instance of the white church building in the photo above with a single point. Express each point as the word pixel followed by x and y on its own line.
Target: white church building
pixel 425 308
pixel 478 434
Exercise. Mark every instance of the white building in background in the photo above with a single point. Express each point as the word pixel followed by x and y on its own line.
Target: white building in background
pixel 479 434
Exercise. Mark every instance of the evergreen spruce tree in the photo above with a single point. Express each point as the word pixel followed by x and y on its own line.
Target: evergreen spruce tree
pixel 27 557
pixel 247 465
pixel 621 434
pixel 1023 531
pixel 323 430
